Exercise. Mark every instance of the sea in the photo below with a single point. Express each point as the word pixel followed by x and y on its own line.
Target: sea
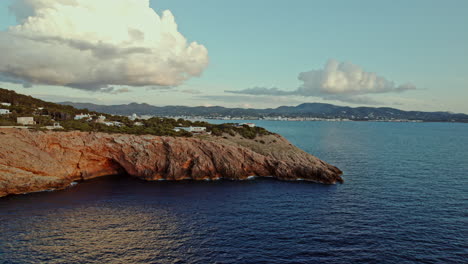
pixel 404 200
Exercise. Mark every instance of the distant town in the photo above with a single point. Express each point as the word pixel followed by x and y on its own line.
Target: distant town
pixel 24 111
pixel 284 118
pixel 303 112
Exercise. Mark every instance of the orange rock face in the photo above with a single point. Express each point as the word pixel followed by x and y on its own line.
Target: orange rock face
pixel 37 161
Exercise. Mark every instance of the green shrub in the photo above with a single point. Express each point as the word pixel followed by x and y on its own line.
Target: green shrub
pixel 46 113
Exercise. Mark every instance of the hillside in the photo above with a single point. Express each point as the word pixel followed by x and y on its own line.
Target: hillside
pixel 306 110
pixel 47 113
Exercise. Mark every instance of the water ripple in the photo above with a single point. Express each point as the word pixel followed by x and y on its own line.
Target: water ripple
pixel 404 201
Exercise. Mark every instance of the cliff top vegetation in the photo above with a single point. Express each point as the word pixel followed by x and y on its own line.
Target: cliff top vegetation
pixel 47 113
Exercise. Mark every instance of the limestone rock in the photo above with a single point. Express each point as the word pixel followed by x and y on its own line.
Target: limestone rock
pixel 36 161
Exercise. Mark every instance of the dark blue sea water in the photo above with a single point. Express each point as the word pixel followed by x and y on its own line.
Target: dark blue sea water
pixel 404 200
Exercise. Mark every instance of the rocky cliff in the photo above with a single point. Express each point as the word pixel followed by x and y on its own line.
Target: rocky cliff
pixel 37 161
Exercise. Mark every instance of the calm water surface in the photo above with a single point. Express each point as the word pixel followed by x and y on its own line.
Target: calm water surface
pixel 405 200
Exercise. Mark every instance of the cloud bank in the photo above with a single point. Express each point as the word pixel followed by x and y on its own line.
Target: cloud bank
pixel 92 45
pixel 342 81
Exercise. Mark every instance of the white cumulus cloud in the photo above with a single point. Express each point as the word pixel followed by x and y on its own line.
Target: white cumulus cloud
pixel 94 44
pixel 344 78
pixel 341 81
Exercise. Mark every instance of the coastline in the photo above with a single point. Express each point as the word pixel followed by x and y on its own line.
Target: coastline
pixel 36 161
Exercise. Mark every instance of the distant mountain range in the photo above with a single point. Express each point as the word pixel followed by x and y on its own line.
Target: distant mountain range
pixel 306 110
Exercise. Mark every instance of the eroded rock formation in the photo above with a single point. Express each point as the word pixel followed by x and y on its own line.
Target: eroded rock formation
pixel 36 161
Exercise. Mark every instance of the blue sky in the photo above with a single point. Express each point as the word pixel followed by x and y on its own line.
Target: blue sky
pixel 268 43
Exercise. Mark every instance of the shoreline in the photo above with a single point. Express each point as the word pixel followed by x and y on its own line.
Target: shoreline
pixel 36 160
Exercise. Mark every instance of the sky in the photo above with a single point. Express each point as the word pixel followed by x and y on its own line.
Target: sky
pixel 411 55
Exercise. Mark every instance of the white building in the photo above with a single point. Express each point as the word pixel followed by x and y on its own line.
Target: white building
pixel 113 123
pixel 82 116
pixel 146 117
pixel 197 129
pixel 55 126
pixel 101 119
pixel 25 121
pixel 4 111
pixel 191 129
pixel 5 104
pixel 133 117
pixel 138 124
pixel 248 124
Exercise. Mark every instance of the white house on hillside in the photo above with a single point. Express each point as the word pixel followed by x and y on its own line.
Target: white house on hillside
pixel 248 124
pixel 133 117
pixel 25 121
pixel 191 129
pixel 101 119
pixel 4 111
pixel 55 126
pixel 82 116
pixel 5 104
pixel 113 123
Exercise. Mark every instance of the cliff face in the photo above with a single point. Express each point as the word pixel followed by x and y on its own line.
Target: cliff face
pixel 37 161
